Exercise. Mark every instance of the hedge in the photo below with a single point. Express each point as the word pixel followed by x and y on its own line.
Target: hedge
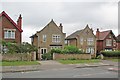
pixel 111 53
pixel 67 50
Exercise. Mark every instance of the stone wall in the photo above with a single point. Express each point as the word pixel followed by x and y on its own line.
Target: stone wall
pixel 19 57
pixel 71 56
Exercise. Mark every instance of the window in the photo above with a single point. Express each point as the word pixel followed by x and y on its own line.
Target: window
pixel 43 50
pixel 108 49
pixel 90 41
pixel 109 36
pixel 9 34
pixel 108 42
pixel 44 38
pixel 90 50
pixel 81 41
pixel 56 47
pixel 114 43
pixel 56 38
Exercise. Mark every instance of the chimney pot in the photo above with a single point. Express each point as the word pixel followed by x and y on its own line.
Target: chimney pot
pixel 61 27
pixel 97 29
pixel 19 21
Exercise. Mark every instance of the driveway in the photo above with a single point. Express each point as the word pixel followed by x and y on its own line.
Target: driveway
pixel 51 64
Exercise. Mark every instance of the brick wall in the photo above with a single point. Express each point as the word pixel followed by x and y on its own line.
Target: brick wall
pixel 71 56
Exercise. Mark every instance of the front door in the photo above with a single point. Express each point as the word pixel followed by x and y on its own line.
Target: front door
pixel 43 51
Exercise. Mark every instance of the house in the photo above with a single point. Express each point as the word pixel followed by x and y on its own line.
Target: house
pixel 118 42
pixel 106 40
pixel 83 39
pixel 9 30
pixel 51 36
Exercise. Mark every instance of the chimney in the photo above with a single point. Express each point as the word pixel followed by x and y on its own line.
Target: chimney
pixel 97 33
pixel 61 27
pixel 19 21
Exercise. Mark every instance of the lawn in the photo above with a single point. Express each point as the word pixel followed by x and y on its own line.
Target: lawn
pixel 114 60
pixel 78 61
pixel 19 63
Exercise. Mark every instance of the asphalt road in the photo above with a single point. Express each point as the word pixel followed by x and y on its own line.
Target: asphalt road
pixel 66 72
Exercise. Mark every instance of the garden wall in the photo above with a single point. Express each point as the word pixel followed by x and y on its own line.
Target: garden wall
pixel 19 57
pixel 71 56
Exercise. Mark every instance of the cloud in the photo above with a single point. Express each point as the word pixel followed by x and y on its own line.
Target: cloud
pixel 73 15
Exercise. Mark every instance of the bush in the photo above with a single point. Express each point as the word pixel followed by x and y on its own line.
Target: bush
pixel 67 50
pixel 72 50
pixel 111 53
pixel 47 56
pixel 9 47
pixel 56 51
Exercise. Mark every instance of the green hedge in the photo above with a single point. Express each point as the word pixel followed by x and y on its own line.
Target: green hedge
pixel 47 56
pixel 67 50
pixel 111 53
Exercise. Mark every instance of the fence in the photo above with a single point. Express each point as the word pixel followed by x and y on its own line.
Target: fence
pixel 71 56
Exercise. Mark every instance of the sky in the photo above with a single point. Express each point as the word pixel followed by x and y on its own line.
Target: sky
pixel 74 15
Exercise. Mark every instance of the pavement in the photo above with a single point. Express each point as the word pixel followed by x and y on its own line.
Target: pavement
pixel 50 64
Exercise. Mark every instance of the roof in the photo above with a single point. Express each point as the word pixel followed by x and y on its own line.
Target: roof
pixel 45 27
pixel 52 21
pixel 118 38
pixel 104 34
pixel 73 35
pixel 4 14
pixel 35 35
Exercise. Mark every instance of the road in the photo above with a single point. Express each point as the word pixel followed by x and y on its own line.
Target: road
pixel 66 72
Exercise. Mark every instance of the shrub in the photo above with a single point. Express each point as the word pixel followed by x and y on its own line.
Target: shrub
pixel 67 50
pixel 9 47
pixel 72 50
pixel 111 53
pixel 56 51
pixel 47 56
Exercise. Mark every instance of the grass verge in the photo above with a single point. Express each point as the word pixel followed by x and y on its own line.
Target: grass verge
pixel 78 61
pixel 18 63
pixel 114 60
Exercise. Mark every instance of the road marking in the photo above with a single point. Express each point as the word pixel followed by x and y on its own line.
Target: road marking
pixel 90 74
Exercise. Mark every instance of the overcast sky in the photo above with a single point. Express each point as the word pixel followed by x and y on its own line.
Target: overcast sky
pixel 73 15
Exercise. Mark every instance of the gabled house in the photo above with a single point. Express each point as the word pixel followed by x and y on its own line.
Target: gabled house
pixel 51 36
pixel 9 30
pixel 83 39
pixel 106 40
pixel 118 42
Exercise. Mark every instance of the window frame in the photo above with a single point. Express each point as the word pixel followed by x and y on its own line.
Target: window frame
pixel 81 40
pixel 56 38
pixel 108 42
pixel 90 41
pixel 9 34
pixel 44 37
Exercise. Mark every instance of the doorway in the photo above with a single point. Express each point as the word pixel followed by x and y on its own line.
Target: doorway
pixel 42 51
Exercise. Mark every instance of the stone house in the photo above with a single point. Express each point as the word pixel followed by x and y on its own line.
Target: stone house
pixel 51 36
pixel 106 40
pixel 83 39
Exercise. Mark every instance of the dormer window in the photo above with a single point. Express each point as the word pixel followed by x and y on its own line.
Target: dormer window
pixel 9 33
